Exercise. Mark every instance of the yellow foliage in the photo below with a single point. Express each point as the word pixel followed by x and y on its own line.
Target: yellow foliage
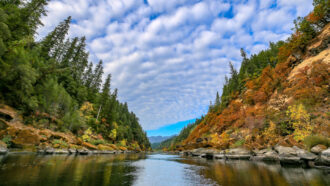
pixel 86 109
pixel 87 134
pixel 215 138
pixel 270 132
pixel 113 134
pixel 123 142
pixel 300 120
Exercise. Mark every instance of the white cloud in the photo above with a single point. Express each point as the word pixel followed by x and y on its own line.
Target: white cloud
pixel 169 57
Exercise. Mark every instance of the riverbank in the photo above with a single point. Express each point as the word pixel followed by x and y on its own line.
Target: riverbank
pixel 319 157
pixel 18 137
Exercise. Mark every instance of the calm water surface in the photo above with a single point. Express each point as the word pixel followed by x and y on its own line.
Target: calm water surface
pixel 145 170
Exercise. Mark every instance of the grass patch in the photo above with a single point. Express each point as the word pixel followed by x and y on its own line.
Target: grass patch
pixel 311 141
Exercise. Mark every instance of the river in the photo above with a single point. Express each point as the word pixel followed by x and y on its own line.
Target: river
pixel 149 170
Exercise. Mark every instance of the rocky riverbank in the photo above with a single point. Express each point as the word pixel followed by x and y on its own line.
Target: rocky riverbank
pixel 50 151
pixel 319 157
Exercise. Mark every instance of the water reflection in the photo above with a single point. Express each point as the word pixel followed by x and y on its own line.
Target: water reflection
pixel 142 169
pixel 68 170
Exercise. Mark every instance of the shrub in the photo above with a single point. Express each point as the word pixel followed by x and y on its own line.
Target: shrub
pixel 59 143
pixel 238 143
pixel 7 139
pixel 311 141
pixel 98 142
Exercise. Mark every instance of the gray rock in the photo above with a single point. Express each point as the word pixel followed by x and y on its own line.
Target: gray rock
pixel 197 152
pixel 266 155
pixel 220 155
pixel 49 150
pixel 61 151
pixel 72 151
pixel 318 149
pixel 3 150
pixel 288 155
pixel 41 151
pixel 286 151
pixel 325 157
pixel 238 153
pixel 83 151
pixel 305 155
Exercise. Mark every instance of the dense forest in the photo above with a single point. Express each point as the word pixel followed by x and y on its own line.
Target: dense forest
pixel 54 85
pixel 273 99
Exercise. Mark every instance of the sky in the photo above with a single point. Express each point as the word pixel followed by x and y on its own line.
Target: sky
pixel 171 129
pixel 168 58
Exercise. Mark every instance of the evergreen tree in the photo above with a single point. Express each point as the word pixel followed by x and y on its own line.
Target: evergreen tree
pixel 217 99
pixel 97 77
pixel 32 13
pixel 52 43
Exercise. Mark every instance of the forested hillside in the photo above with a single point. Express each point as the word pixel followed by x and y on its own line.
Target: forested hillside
pixel 53 85
pixel 279 96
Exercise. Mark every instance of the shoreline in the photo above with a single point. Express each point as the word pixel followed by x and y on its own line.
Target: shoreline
pixel 67 152
pixel 285 156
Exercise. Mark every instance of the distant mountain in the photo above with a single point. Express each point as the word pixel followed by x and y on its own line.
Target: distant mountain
pixel 158 139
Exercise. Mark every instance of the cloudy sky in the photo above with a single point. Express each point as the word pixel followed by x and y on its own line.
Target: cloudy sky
pixel 169 57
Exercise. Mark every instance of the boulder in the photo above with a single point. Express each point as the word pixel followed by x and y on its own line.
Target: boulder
pixel 238 153
pixel 72 151
pixel 325 157
pixel 318 149
pixel 305 155
pixel 266 155
pixel 220 155
pixel 3 148
pixel 209 153
pixel 61 151
pixel 288 155
pixel 83 151
pixel 49 150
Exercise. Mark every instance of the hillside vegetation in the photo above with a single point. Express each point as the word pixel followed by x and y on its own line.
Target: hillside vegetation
pixel 279 96
pixel 51 85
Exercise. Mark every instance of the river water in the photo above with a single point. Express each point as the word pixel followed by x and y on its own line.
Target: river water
pixel 149 170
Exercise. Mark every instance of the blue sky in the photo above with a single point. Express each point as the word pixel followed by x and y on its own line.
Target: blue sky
pixel 171 129
pixel 168 58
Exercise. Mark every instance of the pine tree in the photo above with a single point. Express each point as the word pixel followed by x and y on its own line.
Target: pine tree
pixel 67 57
pixel 32 13
pixel 52 42
pixel 217 99
pixel 97 77
pixel 88 76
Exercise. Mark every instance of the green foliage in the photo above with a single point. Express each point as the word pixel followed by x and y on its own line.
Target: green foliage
pixel 53 80
pixel 238 143
pixel 98 142
pixel 311 141
pixel 7 139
